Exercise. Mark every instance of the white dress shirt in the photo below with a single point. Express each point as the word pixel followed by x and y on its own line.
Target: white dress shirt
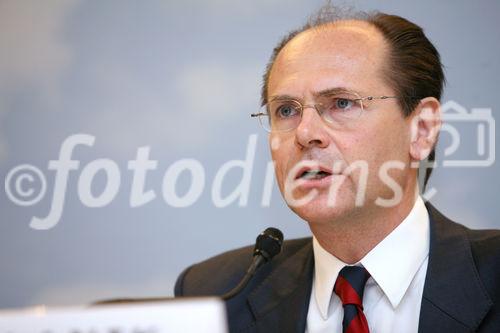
pixel 393 293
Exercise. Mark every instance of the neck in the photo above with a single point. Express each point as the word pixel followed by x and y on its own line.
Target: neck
pixel 351 238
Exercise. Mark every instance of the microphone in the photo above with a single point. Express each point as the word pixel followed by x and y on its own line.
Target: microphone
pixel 267 245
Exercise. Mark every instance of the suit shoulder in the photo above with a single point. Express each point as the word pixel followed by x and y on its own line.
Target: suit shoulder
pixel 485 245
pixel 218 274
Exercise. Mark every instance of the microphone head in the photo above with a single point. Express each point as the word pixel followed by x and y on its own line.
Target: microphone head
pixel 268 243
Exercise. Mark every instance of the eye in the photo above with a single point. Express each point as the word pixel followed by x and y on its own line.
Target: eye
pixel 343 103
pixel 286 111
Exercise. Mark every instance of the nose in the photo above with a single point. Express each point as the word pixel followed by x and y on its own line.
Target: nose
pixel 311 130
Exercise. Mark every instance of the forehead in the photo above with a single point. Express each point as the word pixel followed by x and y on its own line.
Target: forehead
pixel 348 54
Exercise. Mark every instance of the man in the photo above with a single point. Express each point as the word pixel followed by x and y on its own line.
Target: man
pixel 353 105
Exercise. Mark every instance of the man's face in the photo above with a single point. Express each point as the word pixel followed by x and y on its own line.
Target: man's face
pixel 349 55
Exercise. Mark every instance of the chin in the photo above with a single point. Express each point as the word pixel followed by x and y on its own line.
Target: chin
pixel 319 212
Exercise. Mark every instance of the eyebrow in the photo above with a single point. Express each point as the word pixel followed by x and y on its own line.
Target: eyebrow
pixel 321 93
pixel 332 91
pixel 283 98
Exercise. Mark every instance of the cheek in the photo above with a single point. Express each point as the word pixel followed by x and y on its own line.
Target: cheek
pixel 383 147
pixel 278 164
pixel 396 143
pixel 280 153
pixel 368 146
pixel 386 140
pixel 357 146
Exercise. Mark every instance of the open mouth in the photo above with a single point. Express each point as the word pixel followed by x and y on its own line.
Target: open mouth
pixel 313 174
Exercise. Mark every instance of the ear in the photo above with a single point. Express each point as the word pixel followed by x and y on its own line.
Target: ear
pixel 425 126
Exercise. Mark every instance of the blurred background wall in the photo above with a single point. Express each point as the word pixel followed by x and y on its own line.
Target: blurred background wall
pixel 182 77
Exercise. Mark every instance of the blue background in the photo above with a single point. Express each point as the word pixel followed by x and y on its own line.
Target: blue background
pixel 181 77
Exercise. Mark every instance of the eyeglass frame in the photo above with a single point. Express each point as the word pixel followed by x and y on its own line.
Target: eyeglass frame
pixel 314 106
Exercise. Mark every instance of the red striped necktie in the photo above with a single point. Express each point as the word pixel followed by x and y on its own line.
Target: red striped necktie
pixel 349 287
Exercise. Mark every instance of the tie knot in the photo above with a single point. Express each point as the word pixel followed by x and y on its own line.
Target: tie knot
pixel 350 285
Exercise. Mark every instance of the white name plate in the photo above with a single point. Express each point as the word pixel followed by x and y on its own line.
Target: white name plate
pixel 198 315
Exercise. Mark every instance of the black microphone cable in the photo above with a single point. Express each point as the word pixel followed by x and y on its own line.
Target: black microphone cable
pixel 267 245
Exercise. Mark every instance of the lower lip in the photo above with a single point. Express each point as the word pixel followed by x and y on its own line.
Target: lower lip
pixel 306 184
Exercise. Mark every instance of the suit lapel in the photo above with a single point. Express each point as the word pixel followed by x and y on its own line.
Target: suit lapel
pixel 281 302
pixel 454 298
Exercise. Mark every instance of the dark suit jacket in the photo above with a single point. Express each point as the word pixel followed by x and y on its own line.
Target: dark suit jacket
pixel 461 291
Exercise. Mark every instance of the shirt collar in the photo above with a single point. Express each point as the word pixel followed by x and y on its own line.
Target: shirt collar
pixel 392 270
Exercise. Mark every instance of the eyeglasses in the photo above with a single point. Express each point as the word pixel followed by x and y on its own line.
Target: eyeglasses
pixel 338 110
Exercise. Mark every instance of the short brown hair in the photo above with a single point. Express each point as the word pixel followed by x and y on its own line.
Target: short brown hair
pixel 415 70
